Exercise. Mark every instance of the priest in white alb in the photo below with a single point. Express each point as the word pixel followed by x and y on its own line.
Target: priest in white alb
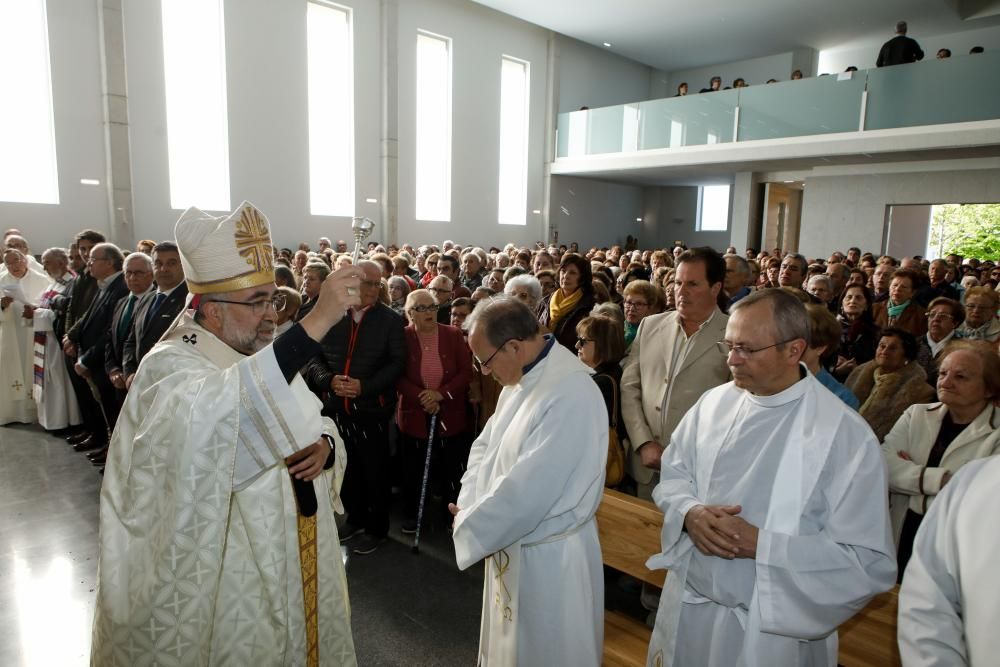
pixel 218 540
pixel 52 391
pixel 528 499
pixel 20 289
pixel 775 500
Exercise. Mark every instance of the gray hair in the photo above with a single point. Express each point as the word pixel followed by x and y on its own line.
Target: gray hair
pixel 111 252
pixel 788 313
pixel 445 282
pixel 146 259
pixel 822 278
pixel 901 27
pixel 741 263
pixel 399 280
pixel 319 267
pixel 503 318
pixel 609 310
pixel 803 262
pixel 525 280
pixel 57 253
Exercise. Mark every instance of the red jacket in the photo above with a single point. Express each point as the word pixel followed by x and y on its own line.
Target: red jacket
pixel 456 362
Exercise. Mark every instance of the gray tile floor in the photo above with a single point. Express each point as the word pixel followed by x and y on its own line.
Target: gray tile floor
pixel 407 609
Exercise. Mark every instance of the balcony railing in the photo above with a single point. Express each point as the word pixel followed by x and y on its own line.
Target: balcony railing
pixel 932 92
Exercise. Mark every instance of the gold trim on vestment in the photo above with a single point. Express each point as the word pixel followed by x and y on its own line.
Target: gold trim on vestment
pixel 310 585
pixel 250 279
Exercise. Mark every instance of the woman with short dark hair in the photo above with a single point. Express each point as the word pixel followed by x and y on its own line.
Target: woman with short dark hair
pixel 858 331
pixel 600 344
pixel 572 301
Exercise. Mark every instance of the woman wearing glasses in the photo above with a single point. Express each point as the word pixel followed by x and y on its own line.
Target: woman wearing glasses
pixel 944 315
pixel 641 299
pixel 435 382
pixel 981 322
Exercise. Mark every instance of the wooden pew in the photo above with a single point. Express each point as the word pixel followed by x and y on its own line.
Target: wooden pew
pixel 629 530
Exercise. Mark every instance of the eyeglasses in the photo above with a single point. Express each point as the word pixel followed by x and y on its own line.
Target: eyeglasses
pixel 745 352
pixel 277 303
pixel 581 341
pixel 940 316
pixel 423 308
pixel 480 365
pixel 636 304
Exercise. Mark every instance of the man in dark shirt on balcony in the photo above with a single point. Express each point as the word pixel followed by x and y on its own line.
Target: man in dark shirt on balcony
pixel 900 49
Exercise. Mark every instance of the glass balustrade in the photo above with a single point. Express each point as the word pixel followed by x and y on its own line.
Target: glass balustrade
pixel 927 93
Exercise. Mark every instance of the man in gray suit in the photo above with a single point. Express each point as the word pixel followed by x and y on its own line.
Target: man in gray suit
pixel 672 362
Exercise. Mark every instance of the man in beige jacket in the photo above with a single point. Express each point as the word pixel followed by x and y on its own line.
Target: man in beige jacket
pixel 674 359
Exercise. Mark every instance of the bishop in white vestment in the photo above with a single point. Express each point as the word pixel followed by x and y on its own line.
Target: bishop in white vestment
pixel 776 526
pixel 949 602
pixel 21 286
pixel 209 556
pixel 52 391
pixel 528 499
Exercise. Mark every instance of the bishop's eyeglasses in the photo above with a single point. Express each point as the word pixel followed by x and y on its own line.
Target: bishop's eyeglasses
pixel 277 303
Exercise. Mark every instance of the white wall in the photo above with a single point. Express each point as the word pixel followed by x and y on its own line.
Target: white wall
pixel 591 77
pixel 480 36
pixel 268 121
pixel 863 55
pixel 74 45
pixel 595 213
pixel 756 71
pixel 842 211
pixel 670 215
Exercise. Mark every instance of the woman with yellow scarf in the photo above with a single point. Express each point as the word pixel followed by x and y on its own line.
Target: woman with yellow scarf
pixel 562 310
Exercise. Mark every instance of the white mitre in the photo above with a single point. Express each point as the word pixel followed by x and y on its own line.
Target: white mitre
pixel 226 253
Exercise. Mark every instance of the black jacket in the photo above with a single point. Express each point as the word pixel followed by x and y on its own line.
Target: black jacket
pixel 72 305
pixel 378 359
pixel 142 336
pixel 565 330
pixel 899 50
pixel 91 332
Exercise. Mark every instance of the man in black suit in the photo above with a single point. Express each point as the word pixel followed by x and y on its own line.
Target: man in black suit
pixel 900 49
pixel 139 280
pixel 363 356
pixel 157 310
pixel 88 341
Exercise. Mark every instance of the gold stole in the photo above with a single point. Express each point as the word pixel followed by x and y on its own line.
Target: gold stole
pixel 310 585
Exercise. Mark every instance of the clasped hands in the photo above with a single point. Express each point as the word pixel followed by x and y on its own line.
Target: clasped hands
pixel 430 401
pixel 345 386
pixel 716 530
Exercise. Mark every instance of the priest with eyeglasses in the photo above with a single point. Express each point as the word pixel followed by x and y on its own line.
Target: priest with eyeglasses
pixel 776 521
pixel 218 543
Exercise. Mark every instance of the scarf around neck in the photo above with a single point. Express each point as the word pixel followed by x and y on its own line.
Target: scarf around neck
pixel 630 331
pixel 895 310
pixel 560 306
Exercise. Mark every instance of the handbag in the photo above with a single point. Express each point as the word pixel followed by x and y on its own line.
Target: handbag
pixel 614 471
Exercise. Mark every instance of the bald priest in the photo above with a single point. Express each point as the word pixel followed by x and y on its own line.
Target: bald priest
pixel 218 541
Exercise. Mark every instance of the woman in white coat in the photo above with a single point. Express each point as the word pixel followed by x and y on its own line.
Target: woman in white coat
pixel 930 442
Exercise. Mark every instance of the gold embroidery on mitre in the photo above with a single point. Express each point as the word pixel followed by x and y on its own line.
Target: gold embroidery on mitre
pixel 253 240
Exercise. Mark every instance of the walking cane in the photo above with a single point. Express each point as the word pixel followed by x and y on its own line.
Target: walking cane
pixel 423 486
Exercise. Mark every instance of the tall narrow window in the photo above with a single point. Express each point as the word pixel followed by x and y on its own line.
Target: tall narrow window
pixel 515 79
pixel 197 120
pixel 713 209
pixel 27 132
pixel 331 110
pixel 433 127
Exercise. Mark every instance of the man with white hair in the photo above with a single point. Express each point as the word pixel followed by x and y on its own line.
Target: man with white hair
pixel 18 242
pixel 219 456
pixel 20 289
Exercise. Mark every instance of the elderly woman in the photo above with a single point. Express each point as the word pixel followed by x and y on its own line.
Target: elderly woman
pixel 562 310
pixel 641 300
pixel 981 304
pixel 769 276
pixel 313 275
pixel 526 288
pixel 929 443
pixel 399 289
pixel 430 269
pixel 434 384
pixel 22 287
pixel 54 397
pixel 890 383
pixel 859 333
pixel 901 311
pixel 943 315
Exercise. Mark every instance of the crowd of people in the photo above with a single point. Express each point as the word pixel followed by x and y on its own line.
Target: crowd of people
pixel 908 347
pixel 899 50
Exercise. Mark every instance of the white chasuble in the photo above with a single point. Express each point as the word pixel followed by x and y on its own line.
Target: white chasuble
pixel 52 391
pixel 528 499
pixel 199 561
pixel 17 343
pixel 806 471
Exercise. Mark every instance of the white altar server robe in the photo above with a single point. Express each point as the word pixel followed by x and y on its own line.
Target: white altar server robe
pixel 199 561
pixel 949 602
pixel 809 474
pixel 534 482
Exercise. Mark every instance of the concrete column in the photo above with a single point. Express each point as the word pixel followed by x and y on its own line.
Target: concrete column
pixel 747 205
pixel 389 158
pixel 549 222
pixel 118 178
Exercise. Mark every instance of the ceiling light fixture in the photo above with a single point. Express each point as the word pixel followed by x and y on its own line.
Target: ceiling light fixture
pixel 607 45
pixel 371 200
pixel 89 181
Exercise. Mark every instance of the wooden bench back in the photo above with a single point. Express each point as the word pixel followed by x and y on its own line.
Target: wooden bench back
pixel 629 530
pixel 869 638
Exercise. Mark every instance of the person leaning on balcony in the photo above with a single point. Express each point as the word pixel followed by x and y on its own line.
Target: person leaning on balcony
pixel 713 85
pixel 682 90
pixel 900 49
